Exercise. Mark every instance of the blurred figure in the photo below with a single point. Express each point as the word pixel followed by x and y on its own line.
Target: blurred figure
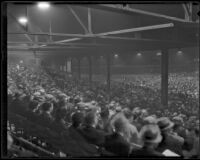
pixel 151 137
pixel 117 142
pixel 89 130
pixel 194 152
pixel 169 141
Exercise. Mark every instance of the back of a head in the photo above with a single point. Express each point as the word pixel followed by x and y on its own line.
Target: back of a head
pixel 33 105
pixel 90 118
pixel 128 114
pixel 46 106
pixel 121 124
pixel 77 118
pixel 104 113
pixel 60 113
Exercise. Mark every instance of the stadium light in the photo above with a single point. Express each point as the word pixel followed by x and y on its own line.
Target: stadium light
pixel 179 53
pixel 116 55
pixel 43 5
pixel 139 54
pixel 159 54
pixel 23 20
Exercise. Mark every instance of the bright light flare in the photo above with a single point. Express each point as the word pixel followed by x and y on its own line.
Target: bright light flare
pixel 23 20
pixel 179 53
pixel 43 5
pixel 116 55
pixel 139 54
pixel 159 54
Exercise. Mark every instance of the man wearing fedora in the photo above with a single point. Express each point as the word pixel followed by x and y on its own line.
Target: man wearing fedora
pixel 151 137
pixel 170 141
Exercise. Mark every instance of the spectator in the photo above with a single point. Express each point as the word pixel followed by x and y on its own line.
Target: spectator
pixel 117 142
pixel 169 141
pixel 151 137
pixel 89 131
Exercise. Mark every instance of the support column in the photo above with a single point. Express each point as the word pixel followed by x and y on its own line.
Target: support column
pixel 79 68
pixel 164 77
pixel 90 70
pixel 108 74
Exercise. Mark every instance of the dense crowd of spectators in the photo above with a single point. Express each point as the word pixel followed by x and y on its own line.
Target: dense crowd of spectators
pixel 129 121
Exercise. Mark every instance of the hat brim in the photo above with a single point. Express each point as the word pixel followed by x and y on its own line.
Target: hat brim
pixel 157 140
pixel 168 127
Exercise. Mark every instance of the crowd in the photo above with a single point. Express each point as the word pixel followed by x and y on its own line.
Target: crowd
pixel 127 122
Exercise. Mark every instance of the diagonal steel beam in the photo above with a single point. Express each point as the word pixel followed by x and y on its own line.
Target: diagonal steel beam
pixel 186 12
pixel 137 29
pixel 78 19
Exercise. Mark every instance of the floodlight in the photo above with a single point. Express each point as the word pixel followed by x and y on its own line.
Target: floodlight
pixel 23 20
pixel 116 55
pixel 43 5
pixel 159 54
pixel 179 53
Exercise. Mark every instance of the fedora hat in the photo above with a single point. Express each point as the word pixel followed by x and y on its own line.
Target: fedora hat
pixel 150 134
pixel 164 123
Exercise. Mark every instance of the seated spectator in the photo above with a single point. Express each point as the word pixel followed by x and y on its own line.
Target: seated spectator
pixel 117 142
pixel 151 137
pixel 89 131
pixel 169 141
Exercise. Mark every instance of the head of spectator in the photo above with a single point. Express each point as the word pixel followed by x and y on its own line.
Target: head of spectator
pixel 47 107
pixel 150 135
pixel 121 126
pixel 149 120
pixel 60 114
pixel 77 119
pixel 165 125
pixel 105 114
pixel 128 114
pixel 91 119
pixel 33 105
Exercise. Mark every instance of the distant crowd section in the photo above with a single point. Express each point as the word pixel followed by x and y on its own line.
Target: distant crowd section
pixel 54 115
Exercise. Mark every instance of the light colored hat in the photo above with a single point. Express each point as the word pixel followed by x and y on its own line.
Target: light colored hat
pixel 150 134
pixel 37 94
pixel 150 120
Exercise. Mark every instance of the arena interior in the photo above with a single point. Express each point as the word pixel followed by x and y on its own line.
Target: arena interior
pixel 102 80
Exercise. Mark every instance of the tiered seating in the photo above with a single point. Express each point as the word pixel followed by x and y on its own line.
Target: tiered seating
pixel 71 145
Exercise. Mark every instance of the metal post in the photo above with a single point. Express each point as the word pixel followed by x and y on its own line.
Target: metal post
pixel 90 70
pixel 108 74
pixel 79 68
pixel 164 77
pixel 27 18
